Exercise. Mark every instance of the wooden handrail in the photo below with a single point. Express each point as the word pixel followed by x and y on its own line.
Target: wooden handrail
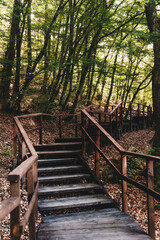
pixel 151 193
pixel 116 107
pixel 25 137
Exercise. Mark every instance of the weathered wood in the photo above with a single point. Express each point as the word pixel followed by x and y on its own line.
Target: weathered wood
pixel 22 169
pixel 15 214
pixel 75 202
pixel 98 224
pixel 27 215
pixel 97 155
pixel 31 210
pixel 150 199
pixel 25 137
pixel 65 152
pixel 83 135
pixel 124 184
pixel 61 169
pixel 49 190
pixel 104 132
pixel 8 206
pixel 66 177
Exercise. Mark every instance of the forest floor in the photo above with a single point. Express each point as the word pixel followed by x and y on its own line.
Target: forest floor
pixel 137 206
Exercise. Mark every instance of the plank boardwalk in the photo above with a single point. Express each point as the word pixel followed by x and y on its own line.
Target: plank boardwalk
pixel 73 204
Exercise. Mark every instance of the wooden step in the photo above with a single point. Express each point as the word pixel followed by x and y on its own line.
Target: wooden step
pixel 49 190
pixel 47 154
pixel 57 178
pixel 59 146
pixel 75 202
pixel 63 140
pixel 69 168
pixel 101 224
pixel 58 161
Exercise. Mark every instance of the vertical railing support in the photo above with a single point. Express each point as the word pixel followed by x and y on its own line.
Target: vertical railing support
pixel 15 214
pixel 124 184
pixel 97 155
pixel 83 135
pixel 30 188
pixel 40 129
pixel 150 199
pixel 15 141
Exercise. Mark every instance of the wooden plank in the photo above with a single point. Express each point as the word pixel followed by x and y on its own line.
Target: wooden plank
pixel 99 224
pixel 29 210
pixel 63 177
pixel 22 169
pixel 25 137
pixel 60 169
pixel 75 202
pixel 69 188
pixel 8 206
pixel 57 160
pixel 104 132
pixel 58 152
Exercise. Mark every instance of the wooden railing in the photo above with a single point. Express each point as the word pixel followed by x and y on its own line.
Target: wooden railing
pixel 116 114
pixel 57 124
pixel 22 178
pixel 87 119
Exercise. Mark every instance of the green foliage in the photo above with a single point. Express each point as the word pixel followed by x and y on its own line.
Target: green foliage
pixel 135 166
pixel 6 151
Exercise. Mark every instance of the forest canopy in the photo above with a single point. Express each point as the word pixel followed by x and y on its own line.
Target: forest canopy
pixel 62 52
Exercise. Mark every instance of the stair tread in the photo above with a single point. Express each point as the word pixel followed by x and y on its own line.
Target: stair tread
pixel 63 177
pixel 57 160
pixel 58 144
pixel 60 168
pixel 74 202
pixel 68 188
pixel 57 152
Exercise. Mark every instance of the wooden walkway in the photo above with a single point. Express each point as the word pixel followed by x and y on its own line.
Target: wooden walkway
pixel 72 201
pixel 77 205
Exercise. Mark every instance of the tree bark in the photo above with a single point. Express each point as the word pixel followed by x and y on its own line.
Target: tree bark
pixel 154 27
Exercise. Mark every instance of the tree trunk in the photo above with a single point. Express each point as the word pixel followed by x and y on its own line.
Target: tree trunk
pixel 154 26
pixel 9 58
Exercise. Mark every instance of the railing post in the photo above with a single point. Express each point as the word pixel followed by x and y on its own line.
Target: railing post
pixel 97 155
pixel 23 151
pixel 124 184
pixel 40 129
pixel 60 126
pixel 83 135
pixel 15 140
pixel 35 174
pixel 150 199
pixel 30 188
pixel 15 214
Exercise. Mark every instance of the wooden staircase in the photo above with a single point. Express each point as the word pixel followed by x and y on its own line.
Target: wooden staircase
pixel 63 174
pixel 73 203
